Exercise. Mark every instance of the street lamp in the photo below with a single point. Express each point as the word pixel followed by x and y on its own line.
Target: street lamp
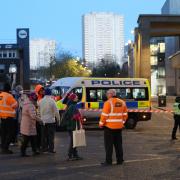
pixel 13 71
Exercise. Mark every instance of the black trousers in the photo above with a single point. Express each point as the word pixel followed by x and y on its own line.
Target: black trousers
pixel 113 137
pixel 38 129
pixel 16 130
pixel 25 142
pixel 176 124
pixel 47 136
pixel 7 132
pixel 72 152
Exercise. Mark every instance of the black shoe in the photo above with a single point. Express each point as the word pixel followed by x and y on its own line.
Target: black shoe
pixel 119 162
pixel 77 158
pixel 106 164
pixel 174 138
pixel 36 153
pixel 7 152
pixel 70 159
pixel 52 152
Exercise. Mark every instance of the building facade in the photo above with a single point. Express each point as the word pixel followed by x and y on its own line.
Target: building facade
pixel 171 7
pixel 41 52
pixel 103 37
pixel 14 61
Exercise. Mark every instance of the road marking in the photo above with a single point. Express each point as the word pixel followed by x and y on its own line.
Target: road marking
pixel 128 161
pixel 14 172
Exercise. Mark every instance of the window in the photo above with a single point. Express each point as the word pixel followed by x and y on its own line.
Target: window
pixel 154 60
pixel 2 68
pixel 99 94
pixel 140 94
pixel 60 90
pixel 10 54
pixel 4 54
pixel 162 47
pixel 161 72
pixel 78 91
pixel 154 49
pixel 14 54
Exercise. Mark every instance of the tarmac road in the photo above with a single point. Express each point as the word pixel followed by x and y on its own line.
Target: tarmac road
pixel 148 152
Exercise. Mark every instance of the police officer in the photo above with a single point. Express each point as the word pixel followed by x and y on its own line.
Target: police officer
pixel 113 117
pixel 7 114
pixel 176 108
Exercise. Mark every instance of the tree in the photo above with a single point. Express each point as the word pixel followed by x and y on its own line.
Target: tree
pixel 65 65
pixel 107 68
pixel 69 68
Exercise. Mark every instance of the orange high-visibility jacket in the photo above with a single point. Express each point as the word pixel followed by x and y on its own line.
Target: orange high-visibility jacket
pixel 8 104
pixel 114 114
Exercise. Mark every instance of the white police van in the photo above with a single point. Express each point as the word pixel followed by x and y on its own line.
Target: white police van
pixel 92 94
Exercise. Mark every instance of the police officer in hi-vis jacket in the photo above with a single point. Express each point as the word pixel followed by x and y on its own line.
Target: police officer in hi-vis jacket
pixel 176 108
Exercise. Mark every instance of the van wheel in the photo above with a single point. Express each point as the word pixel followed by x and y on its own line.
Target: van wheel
pixel 130 123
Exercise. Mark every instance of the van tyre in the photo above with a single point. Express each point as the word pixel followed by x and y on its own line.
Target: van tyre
pixel 131 123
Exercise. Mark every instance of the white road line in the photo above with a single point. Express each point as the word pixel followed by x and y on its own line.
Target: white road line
pixel 81 166
pixel 128 161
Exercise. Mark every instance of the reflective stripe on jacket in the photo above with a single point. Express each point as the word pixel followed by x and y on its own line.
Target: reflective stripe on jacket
pixel 8 104
pixel 114 114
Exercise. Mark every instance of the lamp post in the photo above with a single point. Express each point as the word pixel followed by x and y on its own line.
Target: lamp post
pixel 13 72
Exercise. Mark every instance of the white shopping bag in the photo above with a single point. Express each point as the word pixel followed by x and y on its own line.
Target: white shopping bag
pixel 79 138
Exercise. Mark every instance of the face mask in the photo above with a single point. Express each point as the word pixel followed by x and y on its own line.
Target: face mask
pixel 21 92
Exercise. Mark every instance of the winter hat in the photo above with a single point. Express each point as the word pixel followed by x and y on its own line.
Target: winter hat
pixel 47 91
pixel 38 88
pixel 72 97
pixel 19 88
pixel 32 96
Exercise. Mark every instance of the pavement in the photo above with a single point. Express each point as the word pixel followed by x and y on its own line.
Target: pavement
pixel 148 152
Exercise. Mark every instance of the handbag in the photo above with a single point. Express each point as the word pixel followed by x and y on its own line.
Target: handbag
pixel 79 138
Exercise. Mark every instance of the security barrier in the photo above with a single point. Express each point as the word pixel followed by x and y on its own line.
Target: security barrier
pixel 132 110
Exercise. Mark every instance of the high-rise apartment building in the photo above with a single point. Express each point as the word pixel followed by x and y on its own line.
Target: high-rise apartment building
pixel 103 37
pixel 41 52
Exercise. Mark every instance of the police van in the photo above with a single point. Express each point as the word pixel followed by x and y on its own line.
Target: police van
pixel 92 95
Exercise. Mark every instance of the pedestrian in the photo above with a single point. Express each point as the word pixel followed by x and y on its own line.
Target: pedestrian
pixel 28 124
pixel 72 119
pixel 176 108
pixel 39 89
pixel 19 96
pixel 48 113
pixel 8 106
pixel 113 117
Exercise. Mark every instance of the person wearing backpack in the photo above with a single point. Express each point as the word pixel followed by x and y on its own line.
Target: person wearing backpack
pixel 72 119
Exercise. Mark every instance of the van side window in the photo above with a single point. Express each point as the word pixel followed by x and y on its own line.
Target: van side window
pixel 78 91
pixel 140 93
pixel 96 94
